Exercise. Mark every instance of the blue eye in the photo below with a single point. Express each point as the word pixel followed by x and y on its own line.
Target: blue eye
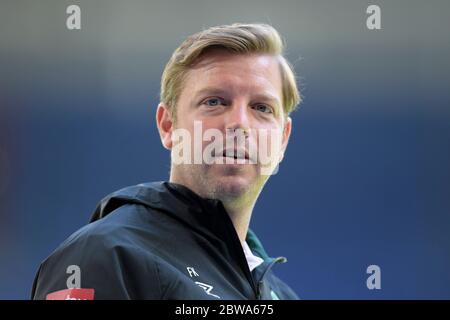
pixel 263 108
pixel 213 102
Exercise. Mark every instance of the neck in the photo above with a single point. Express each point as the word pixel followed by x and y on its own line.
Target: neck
pixel 239 208
pixel 240 215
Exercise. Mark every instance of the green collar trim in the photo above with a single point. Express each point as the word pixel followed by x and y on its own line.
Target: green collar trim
pixel 256 245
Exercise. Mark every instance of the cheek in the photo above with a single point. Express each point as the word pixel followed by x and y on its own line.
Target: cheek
pixel 211 122
pixel 269 141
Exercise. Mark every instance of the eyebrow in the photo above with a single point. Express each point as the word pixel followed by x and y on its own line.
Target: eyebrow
pixel 218 91
pixel 209 90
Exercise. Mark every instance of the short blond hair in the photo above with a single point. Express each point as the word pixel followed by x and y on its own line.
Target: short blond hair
pixel 236 38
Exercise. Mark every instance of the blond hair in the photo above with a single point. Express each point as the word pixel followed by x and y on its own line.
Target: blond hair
pixel 236 38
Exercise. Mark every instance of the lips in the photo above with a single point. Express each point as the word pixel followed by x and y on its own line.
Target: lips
pixel 235 154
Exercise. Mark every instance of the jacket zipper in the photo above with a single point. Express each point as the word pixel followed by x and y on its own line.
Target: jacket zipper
pixel 261 280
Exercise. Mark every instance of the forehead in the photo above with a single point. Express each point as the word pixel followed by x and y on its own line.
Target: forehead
pixel 236 73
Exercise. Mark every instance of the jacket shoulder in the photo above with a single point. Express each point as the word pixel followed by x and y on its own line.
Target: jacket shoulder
pixel 108 257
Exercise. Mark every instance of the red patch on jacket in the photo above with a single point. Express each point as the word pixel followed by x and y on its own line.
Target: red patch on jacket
pixel 72 294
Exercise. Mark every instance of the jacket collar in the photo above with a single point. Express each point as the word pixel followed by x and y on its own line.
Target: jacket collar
pixel 206 216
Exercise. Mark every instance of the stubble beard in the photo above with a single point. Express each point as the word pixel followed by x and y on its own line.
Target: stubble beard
pixel 201 179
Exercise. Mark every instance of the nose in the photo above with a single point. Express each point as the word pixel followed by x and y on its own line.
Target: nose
pixel 238 117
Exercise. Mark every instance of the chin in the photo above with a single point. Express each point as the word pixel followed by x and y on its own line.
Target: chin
pixel 231 186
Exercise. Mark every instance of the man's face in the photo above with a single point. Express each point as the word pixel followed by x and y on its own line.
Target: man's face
pixel 229 92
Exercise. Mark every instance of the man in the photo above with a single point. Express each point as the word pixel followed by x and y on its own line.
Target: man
pixel 189 238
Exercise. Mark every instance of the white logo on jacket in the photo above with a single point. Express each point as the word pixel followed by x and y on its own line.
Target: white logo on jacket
pixel 204 286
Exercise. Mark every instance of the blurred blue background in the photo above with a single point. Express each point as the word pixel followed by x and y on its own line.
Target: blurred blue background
pixel 366 179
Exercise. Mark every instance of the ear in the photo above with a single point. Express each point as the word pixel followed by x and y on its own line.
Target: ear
pixel 286 134
pixel 164 123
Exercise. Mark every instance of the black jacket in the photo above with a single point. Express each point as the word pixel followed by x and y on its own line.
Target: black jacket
pixel 161 240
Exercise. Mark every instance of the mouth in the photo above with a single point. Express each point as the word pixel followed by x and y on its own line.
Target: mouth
pixel 234 154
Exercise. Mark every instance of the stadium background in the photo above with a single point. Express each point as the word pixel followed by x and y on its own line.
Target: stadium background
pixel 366 178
